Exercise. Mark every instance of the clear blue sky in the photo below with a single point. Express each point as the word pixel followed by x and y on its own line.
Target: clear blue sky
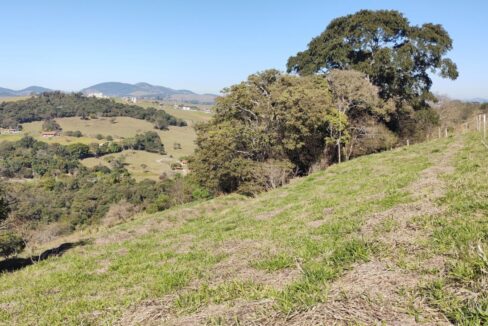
pixel 203 45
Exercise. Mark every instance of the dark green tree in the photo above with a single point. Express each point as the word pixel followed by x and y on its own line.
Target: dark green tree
pixel 51 125
pixel 396 56
pixel 10 243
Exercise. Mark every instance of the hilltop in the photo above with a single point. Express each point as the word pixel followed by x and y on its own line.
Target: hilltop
pixel 116 89
pixel 5 92
pixel 395 237
pixel 148 91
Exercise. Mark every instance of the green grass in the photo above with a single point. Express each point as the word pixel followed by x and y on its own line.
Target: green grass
pixel 192 117
pixel 461 236
pixel 178 252
pixel 123 127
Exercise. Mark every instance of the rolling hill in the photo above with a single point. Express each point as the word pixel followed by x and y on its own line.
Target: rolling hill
pixel 148 91
pixel 5 92
pixel 395 238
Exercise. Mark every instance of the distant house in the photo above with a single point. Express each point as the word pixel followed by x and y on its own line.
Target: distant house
pixel 184 162
pixel 47 134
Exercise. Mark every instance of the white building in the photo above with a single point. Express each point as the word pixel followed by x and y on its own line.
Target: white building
pixel 97 95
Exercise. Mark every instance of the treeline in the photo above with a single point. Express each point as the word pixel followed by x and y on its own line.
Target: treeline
pixel 29 158
pixel 66 194
pixel 353 91
pixel 85 198
pixel 47 106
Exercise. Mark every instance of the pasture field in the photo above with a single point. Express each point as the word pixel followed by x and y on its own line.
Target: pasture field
pixel 123 127
pixel 13 98
pixel 397 238
pixel 140 164
pixel 191 117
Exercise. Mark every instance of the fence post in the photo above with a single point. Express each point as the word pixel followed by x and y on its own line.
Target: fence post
pixel 445 132
pixel 408 142
pixel 484 126
pixel 439 132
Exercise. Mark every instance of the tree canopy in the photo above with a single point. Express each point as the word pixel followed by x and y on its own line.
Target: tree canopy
pixel 396 56
pixel 269 120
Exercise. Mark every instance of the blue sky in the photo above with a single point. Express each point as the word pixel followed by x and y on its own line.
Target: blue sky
pixel 203 45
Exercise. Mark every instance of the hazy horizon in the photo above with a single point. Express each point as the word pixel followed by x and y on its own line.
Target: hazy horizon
pixel 202 47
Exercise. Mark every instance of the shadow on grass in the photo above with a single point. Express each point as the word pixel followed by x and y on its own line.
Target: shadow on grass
pixel 16 263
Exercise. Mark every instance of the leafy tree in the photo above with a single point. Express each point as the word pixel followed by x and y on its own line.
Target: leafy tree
pixel 51 125
pixel 395 55
pixel 10 243
pixel 78 151
pixel 269 117
pixel 4 206
pixel 360 106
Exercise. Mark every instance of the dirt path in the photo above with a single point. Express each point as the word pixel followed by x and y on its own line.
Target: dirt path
pixel 379 291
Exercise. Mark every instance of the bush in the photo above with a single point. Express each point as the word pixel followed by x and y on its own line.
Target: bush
pixel 10 244
pixel 120 212
pixel 75 133
pixel 176 166
pixel 161 203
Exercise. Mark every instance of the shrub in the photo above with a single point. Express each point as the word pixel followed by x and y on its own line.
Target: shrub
pixel 10 244
pixel 119 212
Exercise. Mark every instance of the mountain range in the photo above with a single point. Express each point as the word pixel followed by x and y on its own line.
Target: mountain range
pixel 148 91
pixel 5 92
pixel 116 89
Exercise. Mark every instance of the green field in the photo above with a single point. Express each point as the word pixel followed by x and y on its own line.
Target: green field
pixel 122 128
pixel 397 237
pixel 141 164
pixel 190 116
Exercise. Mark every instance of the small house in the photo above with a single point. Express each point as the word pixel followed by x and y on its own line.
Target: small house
pixel 48 134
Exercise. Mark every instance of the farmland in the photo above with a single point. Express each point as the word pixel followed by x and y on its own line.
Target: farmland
pixel 141 164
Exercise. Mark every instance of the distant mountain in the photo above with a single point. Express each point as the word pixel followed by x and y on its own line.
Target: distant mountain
pixel 148 91
pixel 5 92
pixel 479 100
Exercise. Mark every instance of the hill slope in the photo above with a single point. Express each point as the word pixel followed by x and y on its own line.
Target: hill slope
pixel 5 92
pixel 399 237
pixel 145 90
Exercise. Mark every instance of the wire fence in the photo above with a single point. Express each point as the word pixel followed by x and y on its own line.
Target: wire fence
pixel 477 124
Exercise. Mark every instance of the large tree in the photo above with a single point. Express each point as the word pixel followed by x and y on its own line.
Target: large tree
pixel 263 128
pixel 357 99
pixel 396 55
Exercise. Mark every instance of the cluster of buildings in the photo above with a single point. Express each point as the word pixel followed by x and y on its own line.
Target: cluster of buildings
pixel 131 99
pixel 97 95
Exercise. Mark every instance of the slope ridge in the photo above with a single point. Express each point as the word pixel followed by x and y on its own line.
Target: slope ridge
pixel 349 244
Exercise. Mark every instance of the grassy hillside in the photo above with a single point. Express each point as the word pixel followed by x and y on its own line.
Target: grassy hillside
pixel 123 127
pixel 141 164
pixel 191 117
pixel 399 237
